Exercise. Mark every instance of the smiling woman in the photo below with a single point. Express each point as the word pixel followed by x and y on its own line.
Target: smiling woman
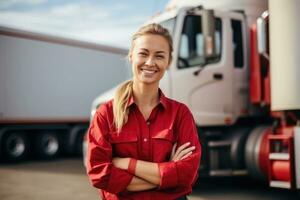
pixel 140 140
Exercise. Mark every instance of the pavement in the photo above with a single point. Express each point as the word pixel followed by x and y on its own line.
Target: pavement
pixel 64 179
pixel 49 180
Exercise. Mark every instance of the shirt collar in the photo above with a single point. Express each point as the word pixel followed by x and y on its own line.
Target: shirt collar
pixel 130 101
pixel 162 100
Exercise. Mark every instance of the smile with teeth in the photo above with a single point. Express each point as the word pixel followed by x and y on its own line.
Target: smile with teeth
pixel 148 71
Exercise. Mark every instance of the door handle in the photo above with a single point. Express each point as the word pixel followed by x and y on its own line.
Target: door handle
pixel 218 76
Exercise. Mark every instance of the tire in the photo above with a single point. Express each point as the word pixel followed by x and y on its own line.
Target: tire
pixel 79 144
pixel 252 150
pixel 15 146
pixel 84 150
pixel 239 137
pixel 47 145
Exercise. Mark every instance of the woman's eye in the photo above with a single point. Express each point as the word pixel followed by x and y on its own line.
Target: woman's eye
pixel 160 56
pixel 142 54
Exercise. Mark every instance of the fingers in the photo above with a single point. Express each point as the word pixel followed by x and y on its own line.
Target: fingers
pixel 182 153
pixel 173 150
pixel 181 148
pixel 186 155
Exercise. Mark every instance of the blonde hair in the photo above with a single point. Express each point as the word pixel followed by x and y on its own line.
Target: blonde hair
pixel 125 91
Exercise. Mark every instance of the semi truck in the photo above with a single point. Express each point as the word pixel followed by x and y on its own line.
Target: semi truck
pixel 47 84
pixel 236 67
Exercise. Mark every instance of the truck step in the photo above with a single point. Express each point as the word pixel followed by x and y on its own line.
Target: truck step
pixel 228 172
pixel 279 156
pixel 280 184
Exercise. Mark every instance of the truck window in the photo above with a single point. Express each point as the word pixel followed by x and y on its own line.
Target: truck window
pixel 191 42
pixel 237 41
pixel 169 24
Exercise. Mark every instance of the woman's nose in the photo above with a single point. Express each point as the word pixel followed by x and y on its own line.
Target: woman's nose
pixel 150 61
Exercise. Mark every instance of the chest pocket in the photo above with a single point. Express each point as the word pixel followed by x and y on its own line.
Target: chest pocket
pixel 124 144
pixel 162 143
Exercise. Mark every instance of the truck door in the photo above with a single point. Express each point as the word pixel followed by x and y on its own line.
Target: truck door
pixel 240 65
pixel 207 90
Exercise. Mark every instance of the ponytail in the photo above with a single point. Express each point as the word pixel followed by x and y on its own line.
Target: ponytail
pixel 122 95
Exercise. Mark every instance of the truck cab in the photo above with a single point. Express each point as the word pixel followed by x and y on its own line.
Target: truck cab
pixel 213 86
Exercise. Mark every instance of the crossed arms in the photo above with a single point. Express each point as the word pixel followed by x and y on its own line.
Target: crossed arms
pixel 111 173
pixel 147 174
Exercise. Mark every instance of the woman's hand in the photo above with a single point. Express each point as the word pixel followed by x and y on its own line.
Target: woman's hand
pixel 182 152
pixel 121 163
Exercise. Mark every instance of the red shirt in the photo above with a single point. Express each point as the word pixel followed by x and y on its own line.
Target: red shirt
pixel 150 140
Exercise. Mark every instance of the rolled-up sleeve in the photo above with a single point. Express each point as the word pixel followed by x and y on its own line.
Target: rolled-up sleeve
pixel 102 173
pixel 182 173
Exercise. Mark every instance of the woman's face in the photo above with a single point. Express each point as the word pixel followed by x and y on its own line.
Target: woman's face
pixel 149 58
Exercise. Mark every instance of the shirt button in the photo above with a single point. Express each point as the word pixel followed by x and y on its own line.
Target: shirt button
pixel 145 140
pixel 148 123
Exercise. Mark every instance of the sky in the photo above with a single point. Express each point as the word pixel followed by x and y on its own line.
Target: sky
pixel 109 22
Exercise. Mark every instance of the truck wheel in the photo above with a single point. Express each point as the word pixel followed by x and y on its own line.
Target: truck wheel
pixel 15 146
pixel 47 145
pixel 253 148
pixel 84 150
pixel 79 143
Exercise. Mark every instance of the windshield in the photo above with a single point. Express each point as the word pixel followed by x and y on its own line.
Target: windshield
pixel 169 24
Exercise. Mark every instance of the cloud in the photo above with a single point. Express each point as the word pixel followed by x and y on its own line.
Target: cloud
pixel 8 3
pixel 72 10
pixel 80 20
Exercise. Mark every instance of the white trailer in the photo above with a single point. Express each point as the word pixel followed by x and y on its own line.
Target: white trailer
pixel 47 84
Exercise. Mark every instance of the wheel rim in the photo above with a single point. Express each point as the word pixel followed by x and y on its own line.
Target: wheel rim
pixel 15 146
pixel 50 145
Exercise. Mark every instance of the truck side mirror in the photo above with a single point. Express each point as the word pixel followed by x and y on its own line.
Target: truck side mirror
pixel 262 34
pixel 208 30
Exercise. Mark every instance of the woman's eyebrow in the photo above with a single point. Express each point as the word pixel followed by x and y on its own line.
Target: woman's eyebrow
pixel 143 49
pixel 147 50
pixel 161 52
